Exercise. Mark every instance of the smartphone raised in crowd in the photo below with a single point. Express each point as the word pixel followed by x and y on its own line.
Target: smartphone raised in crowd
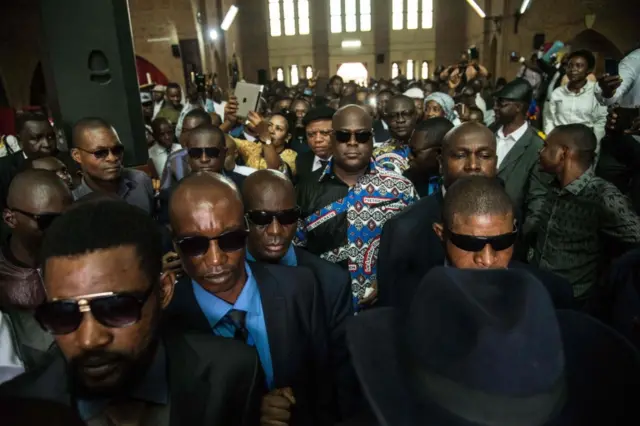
pixel 611 66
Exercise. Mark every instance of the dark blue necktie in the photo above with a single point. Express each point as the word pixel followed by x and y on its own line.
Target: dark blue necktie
pixel 238 319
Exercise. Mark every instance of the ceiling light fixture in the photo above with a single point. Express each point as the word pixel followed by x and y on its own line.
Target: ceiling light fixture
pixel 229 17
pixel 525 5
pixel 477 8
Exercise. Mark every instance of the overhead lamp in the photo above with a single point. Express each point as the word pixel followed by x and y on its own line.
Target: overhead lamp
pixel 213 34
pixel 525 5
pixel 351 44
pixel 477 8
pixel 229 17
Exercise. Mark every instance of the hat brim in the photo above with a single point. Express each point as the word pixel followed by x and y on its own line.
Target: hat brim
pixel 602 372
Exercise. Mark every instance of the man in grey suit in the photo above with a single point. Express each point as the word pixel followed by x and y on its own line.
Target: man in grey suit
pixel 518 145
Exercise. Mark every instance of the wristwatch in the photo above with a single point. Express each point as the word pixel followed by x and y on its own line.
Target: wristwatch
pixel 267 141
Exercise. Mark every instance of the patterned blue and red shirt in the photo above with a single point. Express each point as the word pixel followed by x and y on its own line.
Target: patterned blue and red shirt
pixel 343 224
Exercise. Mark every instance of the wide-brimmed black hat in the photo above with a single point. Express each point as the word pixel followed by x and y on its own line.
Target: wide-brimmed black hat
pixel 516 90
pixel 488 348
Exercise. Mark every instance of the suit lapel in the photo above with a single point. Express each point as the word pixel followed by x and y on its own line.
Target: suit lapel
pixel 184 307
pixel 516 152
pixel 274 307
pixel 189 387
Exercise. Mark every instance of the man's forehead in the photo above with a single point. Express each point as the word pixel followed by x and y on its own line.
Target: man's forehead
pixel 401 104
pixel 205 140
pixel 484 219
pixel 320 124
pixel 38 126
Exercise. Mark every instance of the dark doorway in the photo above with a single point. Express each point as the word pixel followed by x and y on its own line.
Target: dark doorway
pixel 191 60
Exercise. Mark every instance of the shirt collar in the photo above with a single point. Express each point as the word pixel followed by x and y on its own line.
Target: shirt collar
pixel 126 185
pixel 516 135
pixel 579 184
pixel 215 309
pixel 328 171
pixel 153 388
pixel 584 88
pixel 289 258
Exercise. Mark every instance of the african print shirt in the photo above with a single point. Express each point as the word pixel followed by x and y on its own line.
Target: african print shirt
pixel 393 156
pixel 580 225
pixel 343 224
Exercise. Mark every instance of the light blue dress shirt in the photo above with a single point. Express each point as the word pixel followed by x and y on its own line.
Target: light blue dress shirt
pixel 249 301
pixel 289 259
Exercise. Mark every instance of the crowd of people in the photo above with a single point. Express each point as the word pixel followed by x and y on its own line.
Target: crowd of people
pixel 452 251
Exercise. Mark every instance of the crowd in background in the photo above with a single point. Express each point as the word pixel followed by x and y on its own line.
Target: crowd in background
pixel 457 249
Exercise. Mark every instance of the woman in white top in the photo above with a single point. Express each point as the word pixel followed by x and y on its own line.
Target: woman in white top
pixel 164 145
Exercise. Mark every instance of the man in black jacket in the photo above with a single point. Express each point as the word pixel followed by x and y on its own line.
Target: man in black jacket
pixel 118 365
pixel 408 245
pixel 317 124
pixel 276 309
pixel 270 206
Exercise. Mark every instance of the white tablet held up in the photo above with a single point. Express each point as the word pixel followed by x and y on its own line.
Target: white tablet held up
pixel 248 96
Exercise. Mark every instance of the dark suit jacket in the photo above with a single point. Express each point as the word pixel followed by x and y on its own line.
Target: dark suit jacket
pixel 408 246
pixel 335 285
pixel 294 316
pixel 304 162
pixel 165 196
pixel 524 182
pixel 380 134
pixel 212 381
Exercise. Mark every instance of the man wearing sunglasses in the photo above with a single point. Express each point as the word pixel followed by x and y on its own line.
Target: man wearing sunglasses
pixel 345 209
pixel 276 309
pixel 402 118
pixel 270 205
pixel 117 363
pixel 36 199
pixel 408 244
pixel 99 152
pixel 478 231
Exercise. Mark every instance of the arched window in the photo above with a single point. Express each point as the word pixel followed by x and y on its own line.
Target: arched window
pixel 410 69
pixel 295 78
pixel 424 71
pixel 308 72
pixel 280 74
pixel 395 70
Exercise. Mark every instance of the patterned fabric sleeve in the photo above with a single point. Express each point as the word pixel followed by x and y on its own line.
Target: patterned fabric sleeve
pixel 300 238
pixel 251 153
pixel 289 156
pixel 619 220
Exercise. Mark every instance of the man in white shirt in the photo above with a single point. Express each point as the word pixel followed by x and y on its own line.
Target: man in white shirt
pixel 576 102
pixel 164 145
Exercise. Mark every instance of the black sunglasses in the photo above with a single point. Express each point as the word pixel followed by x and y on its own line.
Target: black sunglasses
pixel 212 152
pixel 44 220
pixel 103 153
pixel 198 245
pixel 113 310
pixel 474 244
pixel 265 218
pixel 344 136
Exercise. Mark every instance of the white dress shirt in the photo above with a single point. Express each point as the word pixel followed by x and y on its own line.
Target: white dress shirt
pixel 506 143
pixel 159 155
pixel 567 107
pixel 10 363
pixel 317 163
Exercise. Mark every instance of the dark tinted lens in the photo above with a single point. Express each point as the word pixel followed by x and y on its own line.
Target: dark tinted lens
pixel 342 137
pixel 212 152
pixel 260 218
pixel 195 152
pixel 116 311
pixel 232 241
pixel 193 246
pixel 503 242
pixel 45 220
pixel 288 217
pixel 101 153
pixel 363 137
pixel 60 317
pixel 117 150
pixel 476 244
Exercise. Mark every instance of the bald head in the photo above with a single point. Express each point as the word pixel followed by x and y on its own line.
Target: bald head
pixel 37 189
pixel 402 102
pixel 205 190
pixel 262 186
pixel 467 132
pixel 352 115
pixel 89 125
